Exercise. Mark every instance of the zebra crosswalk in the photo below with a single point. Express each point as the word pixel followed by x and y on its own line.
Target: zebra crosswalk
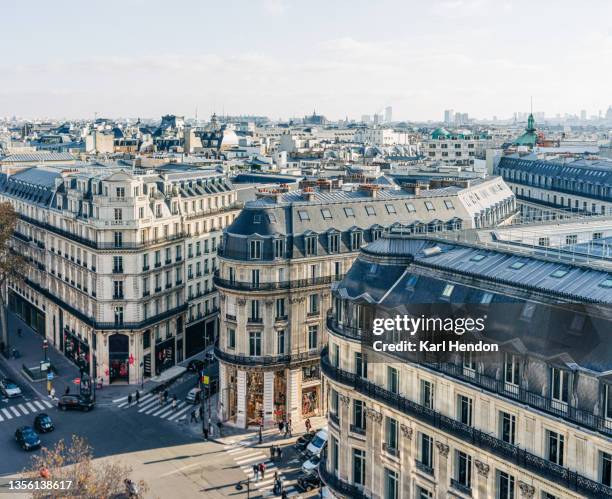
pixel 246 457
pixel 25 408
pixel 149 405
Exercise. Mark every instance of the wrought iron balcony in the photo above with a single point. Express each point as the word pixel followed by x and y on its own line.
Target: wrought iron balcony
pixel 339 486
pixel 265 360
pixel 511 453
pixel 271 286
pixel 517 393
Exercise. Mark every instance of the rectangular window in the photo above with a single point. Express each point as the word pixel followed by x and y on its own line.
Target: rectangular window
pixel 349 212
pixel 410 207
pixel 356 240
pixel 313 304
pixel 231 338
pixel 427 394
pixel 422 493
pixel 463 469
pixel 279 248
pixel 361 365
pixel 359 461
pixel 391 435
pixel 254 278
pixel 303 214
pixel 255 250
pixel 507 427
pixel 505 485
pixel 426 450
pixel 370 210
pixel 608 401
pixel 359 414
pixel 334 243
pixel 334 454
pixel 392 379
pixel 512 369
pixel 118 214
pixel 280 308
pixel 391 484
pixel 429 205
pixel 333 401
pixel 555 446
pixel 254 310
pixel 390 209
pixel 448 290
pixel 464 409
pixel 255 343
pixel 280 342
pixel 560 381
pixel 606 468
pixel 326 214
pixel 310 245
pixel 313 333
pixel 449 204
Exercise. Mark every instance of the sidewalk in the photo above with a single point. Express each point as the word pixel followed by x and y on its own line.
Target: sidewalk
pixel 31 352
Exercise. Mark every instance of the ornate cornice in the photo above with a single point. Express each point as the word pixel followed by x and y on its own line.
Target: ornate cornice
pixel 526 490
pixel 442 448
pixel 483 468
pixel 406 431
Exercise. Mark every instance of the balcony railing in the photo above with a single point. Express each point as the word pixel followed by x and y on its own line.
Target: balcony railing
pixel 517 393
pixel 105 325
pixel 269 286
pixel 265 360
pixel 511 453
pixel 358 429
pixel 339 486
pixel 455 484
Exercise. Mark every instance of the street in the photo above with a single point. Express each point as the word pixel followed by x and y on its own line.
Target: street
pixel 161 444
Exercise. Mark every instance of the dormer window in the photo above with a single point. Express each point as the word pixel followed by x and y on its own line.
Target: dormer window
pixel 120 192
pixel 310 245
pixel 376 233
pixel 356 240
pixel 255 250
pixel 333 242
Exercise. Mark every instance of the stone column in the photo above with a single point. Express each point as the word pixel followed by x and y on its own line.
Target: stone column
pixel 294 396
pixel 241 396
pixel 223 398
pixel 268 398
pixel 482 479
pixel 406 459
pixel 374 449
pixel 443 479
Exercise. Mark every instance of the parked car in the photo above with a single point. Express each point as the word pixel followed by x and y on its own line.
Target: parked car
pixel 302 442
pixel 75 402
pixel 311 465
pixel 9 388
pixel 308 482
pixel 196 365
pixel 194 396
pixel 317 444
pixel 27 438
pixel 43 423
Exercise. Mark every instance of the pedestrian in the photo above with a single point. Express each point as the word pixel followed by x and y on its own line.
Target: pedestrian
pixel 284 495
pixel 174 403
pixel 279 453
pixel 137 396
pixel 272 451
pixel 52 393
pixel 193 417
pixel 200 413
pixel 281 425
pixel 262 469
pixel 277 484
pixel 129 399
pixel 256 471
pixel 165 396
pixel 308 425
pixel 205 430
pixel 220 428
pixel 161 399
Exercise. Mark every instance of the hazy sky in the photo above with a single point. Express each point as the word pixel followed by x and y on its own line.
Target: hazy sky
pixel 285 58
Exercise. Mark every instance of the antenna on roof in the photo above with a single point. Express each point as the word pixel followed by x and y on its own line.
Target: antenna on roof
pixel 531 104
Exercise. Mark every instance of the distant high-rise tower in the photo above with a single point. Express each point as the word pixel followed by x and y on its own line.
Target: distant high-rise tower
pixel 583 115
pixel 388 114
pixel 449 116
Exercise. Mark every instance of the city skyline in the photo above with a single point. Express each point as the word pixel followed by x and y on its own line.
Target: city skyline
pixel 284 59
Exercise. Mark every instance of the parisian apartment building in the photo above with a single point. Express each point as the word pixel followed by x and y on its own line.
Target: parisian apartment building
pixel 121 262
pixel 277 262
pixel 531 420
pixel 458 148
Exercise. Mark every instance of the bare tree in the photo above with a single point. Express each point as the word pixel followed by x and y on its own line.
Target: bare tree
pixel 74 463
pixel 12 263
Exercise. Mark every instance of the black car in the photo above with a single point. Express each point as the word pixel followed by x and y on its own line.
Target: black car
pixel 43 423
pixel 303 441
pixel 196 365
pixel 27 438
pixel 75 402
pixel 308 481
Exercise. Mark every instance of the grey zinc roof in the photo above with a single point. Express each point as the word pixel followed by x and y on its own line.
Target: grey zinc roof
pixel 38 157
pixel 578 282
pixel 37 176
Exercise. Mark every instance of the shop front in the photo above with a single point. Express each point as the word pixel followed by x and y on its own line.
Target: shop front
pixel 280 396
pixel 28 313
pixel 255 395
pixel 310 401
pixel 76 349
pixel 165 352
pixel 118 358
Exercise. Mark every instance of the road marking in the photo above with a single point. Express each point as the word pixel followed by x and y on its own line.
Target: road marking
pixel 23 409
pixel 15 411
pixel 238 450
pixel 1 418
pixel 253 458
pixel 178 413
pixel 7 414
pixel 31 407
pixel 149 404
pixel 48 404
pixel 39 405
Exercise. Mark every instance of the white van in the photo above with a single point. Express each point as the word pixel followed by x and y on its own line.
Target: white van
pixel 193 397
pixel 317 443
